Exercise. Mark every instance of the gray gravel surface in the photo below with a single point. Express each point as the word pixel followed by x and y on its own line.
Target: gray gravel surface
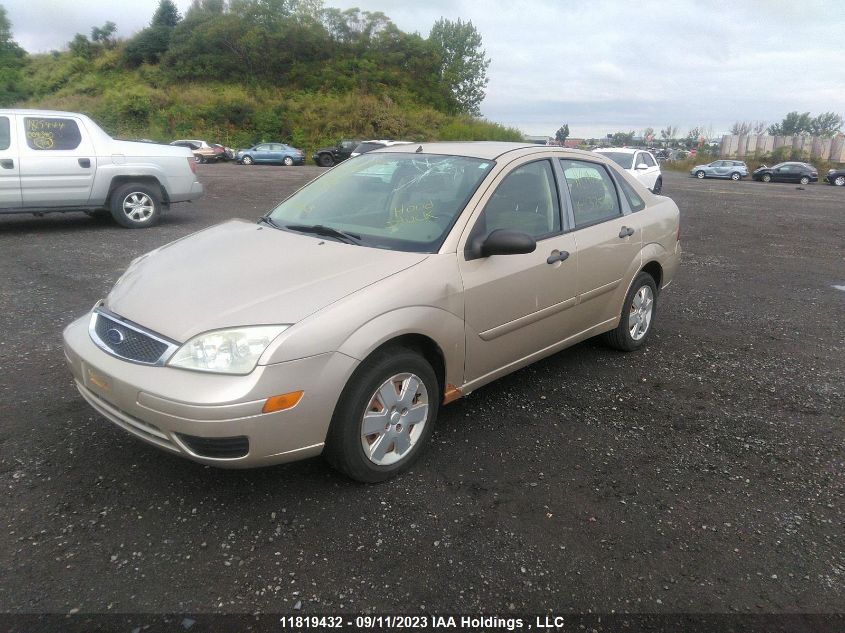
pixel 705 473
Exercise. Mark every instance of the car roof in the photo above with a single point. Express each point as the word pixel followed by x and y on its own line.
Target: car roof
pixel 488 150
pixel 386 142
pixel 621 150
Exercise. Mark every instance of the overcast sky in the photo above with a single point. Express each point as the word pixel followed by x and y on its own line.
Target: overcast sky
pixel 601 66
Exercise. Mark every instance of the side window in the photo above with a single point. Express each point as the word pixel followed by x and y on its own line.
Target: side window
pixel 262 148
pixel 51 134
pixel 5 133
pixel 647 159
pixel 636 203
pixel 526 200
pixel 593 195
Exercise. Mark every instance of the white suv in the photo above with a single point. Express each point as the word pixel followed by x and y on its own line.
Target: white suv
pixel 637 162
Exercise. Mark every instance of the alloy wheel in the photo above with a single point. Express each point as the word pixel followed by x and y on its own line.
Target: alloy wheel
pixel 138 206
pixel 642 308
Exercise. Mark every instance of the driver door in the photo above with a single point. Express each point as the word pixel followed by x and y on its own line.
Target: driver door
pixel 516 305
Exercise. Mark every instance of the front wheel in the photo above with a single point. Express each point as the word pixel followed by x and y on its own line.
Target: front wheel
pixel 136 206
pixel 839 181
pixel 384 417
pixel 735 176
pixel 637 317
pixel 247 160
pixel 699 174
pixel 766 178
pixel 658 185
pixel 805 180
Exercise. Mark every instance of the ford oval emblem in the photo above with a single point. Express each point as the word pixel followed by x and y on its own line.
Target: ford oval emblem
pixel 115 336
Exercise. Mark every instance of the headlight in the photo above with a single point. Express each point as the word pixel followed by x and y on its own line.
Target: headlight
pixel 234 351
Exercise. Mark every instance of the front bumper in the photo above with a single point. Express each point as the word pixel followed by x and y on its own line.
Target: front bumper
pixel 163 405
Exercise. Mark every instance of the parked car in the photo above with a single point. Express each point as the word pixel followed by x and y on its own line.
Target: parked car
pixel 391 285
pixel 836 177
pixel 639 163
pixel 271 153
pixel 369 146
pixel 204 152
pixel 733 169
pixel 328 156
pixel 787 172
pixel 63 161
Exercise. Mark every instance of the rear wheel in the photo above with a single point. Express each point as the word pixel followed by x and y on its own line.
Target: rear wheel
pixel 288 161
pixel 766 178
pixel 136 206
pixel 805 180
pixel 658 185
pixel 699 174
pixel 736 176
pixel 637 317
pixel 326 160
pixel 384 417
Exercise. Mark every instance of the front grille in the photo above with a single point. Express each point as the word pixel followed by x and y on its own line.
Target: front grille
pixel 217 447
pixel 127 341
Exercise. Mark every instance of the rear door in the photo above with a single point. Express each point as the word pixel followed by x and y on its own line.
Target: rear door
pixel 608 239
pixel 57 161
pixel 10 181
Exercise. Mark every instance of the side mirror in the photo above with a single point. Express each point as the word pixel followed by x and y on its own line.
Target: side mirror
pixel 501 242
pixel 642 166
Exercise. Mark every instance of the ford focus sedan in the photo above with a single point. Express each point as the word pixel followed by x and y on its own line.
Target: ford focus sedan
pixel 392 285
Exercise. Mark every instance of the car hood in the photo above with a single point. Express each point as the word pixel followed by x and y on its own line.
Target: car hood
pixel 240 273
pixel 700 167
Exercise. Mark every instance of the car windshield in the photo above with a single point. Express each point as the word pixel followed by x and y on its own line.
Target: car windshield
pixel 405 202
pixel 623 159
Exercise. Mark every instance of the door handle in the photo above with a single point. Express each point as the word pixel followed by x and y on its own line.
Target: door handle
pixel 84 162
pixel 7 163
pixel 557 256
pixel 626 232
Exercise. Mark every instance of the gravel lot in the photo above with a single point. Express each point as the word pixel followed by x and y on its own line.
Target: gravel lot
pixel 705 473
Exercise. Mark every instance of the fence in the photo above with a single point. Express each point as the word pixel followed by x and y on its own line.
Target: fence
pixel 813 147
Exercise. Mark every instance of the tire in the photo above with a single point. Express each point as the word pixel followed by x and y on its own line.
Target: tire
pixel 658 185
pixel 201 160
pixel 766 178
pixel 805 180
pixel 287 162
pixel 368 396
pixel 247 160
pixel 700 174
pixel 839 181
pixel 136 206
pixel 637 320
pixel 736 176
pixel 325 160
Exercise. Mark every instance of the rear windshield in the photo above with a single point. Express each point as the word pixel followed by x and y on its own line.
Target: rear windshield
pixel 403 202
pixel 623 159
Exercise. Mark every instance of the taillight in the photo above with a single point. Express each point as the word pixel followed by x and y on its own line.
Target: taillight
pixel 192 163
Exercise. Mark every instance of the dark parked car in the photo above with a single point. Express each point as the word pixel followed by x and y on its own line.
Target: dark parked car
pixel 328 156
pixel 271 153
pixel 787 172
pixel 836 177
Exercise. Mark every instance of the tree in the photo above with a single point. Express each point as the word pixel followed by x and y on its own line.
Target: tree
pixel 166 15
pixel 12 59
pixel 648 134
pixel 463 64
pixel 741 128
pixel 623 138
pixel 80 46
pixel 826 124
pixel 793 124
pixel 760 127
pixel 563 133
pixel 104 34
pixel 669 132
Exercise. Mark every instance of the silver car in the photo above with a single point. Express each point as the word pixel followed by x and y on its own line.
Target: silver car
pixel 390 286
pixel 733 169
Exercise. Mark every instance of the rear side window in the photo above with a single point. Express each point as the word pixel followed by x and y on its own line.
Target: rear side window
pixel 5 133
pixel 634 201
pixel 51 134
pixel 592 192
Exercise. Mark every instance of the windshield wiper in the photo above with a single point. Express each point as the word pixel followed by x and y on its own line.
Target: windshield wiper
pixel 325 231
pixel 268 221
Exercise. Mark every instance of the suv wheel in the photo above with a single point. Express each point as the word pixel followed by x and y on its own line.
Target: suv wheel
pixel 326 160
pixel 384 416
pixel 136 206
